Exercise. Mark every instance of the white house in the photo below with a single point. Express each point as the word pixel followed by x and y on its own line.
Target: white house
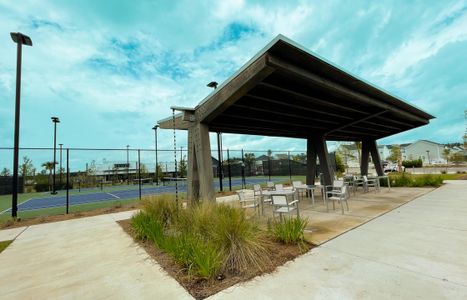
pixel 429 152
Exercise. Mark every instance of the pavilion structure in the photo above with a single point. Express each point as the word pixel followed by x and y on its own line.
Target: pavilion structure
pixel 285 90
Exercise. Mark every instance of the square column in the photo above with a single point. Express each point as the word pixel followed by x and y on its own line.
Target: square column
pixel 316 146
pixel 370 147
pixel 200 177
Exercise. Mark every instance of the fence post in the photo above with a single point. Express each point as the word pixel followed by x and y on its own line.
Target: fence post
pixel 290 168
pixel 243 171
pixel 269 167
pixel 139 174
pixel 228 166
pixel 67 179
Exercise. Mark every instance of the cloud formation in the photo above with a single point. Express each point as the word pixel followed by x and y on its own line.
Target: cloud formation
pixel 111 70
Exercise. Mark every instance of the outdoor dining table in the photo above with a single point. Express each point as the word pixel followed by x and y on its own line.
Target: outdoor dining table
pixel 310 188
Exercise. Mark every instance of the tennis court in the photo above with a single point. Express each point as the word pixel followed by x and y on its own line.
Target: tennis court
pixel 120 193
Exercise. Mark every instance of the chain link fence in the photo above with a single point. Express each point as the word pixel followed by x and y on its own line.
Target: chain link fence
pixel 86 179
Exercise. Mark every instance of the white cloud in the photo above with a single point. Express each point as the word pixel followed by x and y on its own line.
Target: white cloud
pixel 425 43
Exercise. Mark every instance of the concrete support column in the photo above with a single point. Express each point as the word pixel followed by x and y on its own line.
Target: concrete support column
pixel 316 146
pixel 202 153
pixel 375 157
pixel 365 158
pixel 193 176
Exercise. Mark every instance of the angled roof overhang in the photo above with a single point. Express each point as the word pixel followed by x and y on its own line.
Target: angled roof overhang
pixel 287 91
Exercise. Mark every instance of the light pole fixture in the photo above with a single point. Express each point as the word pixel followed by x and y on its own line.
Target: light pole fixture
pixel 55 120
pixel 212 84
pixel 20 39
pixel 157 163
pixel 60 169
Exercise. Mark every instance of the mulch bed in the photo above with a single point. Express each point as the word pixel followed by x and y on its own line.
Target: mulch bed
pixel 201 288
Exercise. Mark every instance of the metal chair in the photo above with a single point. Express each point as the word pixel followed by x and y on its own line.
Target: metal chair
pixel 270 185
pixel 258 194
pixel 247 202
pixel 281 205
pixel 279 187
pixel 300 190
pixel 370 182
pixel 340 195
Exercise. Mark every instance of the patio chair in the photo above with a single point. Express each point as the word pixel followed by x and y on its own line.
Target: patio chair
pixel 370 182
pixel 340 195
pixel 258 194
pixel 351 183
pixel 282 205
pixel 279 187
pixel 298 187
pixel 270 185
pixel 248 202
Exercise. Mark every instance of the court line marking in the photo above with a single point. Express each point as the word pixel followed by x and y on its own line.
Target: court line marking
pixel 113 195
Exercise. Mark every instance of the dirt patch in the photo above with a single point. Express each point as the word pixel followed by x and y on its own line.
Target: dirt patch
pixel 199 288
pixel 57 218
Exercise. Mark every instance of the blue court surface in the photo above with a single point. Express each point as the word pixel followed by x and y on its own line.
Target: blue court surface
pixel 124 194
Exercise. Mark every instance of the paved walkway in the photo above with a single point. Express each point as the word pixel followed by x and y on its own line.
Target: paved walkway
pixel 417 251
pixel 89 258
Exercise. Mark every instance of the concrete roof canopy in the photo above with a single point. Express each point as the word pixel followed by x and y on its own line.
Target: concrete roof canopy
pixel 285 90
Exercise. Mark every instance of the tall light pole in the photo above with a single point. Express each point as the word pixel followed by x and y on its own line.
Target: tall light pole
pixel 157 163
pixel 20 39
pixel 55 120
pixel 128 164
pixel 428 155
pixel 214 85
pixel 60 169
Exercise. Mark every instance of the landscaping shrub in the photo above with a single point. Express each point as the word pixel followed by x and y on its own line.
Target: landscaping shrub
pixel 206 239
pixel 415 163
pixel 289 231
pixel 410 180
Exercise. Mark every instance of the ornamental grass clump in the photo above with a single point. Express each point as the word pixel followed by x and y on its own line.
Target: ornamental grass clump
pixel 208 239
pixel 289 230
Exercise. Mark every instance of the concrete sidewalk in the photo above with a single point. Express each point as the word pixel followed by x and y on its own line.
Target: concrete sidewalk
pixel 88 258
pixel 417 251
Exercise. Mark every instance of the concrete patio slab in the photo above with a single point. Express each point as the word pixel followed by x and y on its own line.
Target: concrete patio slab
pixel 413 252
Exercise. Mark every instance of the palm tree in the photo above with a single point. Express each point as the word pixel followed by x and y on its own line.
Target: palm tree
pixel 249 161
pixel 49 166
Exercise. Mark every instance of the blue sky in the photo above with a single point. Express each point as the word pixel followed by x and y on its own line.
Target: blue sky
pixel 111 69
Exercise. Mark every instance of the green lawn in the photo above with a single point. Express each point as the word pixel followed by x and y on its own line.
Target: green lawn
pixel 4 244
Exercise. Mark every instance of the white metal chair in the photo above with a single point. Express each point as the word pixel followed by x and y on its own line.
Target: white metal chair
pixel 279 187
pixel 300 190
pixel 370 182
pixel 340 195
pixel 258 194
pixel 270 185
pixel 248 202
pixel 281 205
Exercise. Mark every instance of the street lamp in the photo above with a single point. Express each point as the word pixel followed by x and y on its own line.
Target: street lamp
pixel 20 39
pixel 428 156
pixel 60 169
pixel 157 163
pixel 214 84
pixel 55 120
